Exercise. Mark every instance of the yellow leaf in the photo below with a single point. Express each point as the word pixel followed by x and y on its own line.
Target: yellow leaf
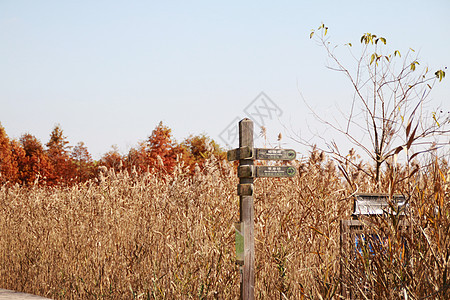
pixel 435 119
pixel 380 39
pixel 440 74
pixel 372 58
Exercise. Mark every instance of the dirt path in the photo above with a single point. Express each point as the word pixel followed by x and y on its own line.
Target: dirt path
pixel 8 294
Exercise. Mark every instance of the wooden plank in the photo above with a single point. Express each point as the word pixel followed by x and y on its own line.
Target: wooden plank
pixel 248 278
pixel 275 171
pixel 245 189
pixel 246 152
pixel 246 214
pixel 275 154
pixel 266 171
pixel 246 171
pixel 240 153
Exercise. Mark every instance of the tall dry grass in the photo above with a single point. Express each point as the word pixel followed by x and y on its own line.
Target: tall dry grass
pixel 171 236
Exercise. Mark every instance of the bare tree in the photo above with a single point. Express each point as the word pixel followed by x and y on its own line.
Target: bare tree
pixel 389 102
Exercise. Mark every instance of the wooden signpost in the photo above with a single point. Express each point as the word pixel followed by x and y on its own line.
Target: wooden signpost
pixel 247 171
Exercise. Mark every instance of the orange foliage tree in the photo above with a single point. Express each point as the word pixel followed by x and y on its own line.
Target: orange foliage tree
pixel 199 148
pixel 34 165
pixel 112 159
pixel 84 166
pixel 8 165
pixel 59 158
pixel 157 153
pixel 19 157
pixel 25 161
pixel 161 148
pixel 160 151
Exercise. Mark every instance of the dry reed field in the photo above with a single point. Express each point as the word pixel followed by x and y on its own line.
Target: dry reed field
pixel 171 236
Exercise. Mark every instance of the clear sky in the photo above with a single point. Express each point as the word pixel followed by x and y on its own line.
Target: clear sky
pixel 109 71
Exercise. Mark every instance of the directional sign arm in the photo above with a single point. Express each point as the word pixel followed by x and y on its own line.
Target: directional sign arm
pixel 275 154
pixel 261 153
pixel 266 171
pixel 275 171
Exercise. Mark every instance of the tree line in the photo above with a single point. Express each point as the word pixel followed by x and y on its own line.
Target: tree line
pixel 27 160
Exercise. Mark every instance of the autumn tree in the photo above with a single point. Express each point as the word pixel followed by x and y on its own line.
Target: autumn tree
pixel 34 165
pixel 161 148
pixel 19 159
pixel 59 156
pixel 201 147
pixel 137 158
pixel 390 96
pixel 112 159
pixel 8 166
pixel 84 166
pixel 159 152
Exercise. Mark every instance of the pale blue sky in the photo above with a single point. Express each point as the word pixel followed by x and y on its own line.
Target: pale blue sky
pixel 109 71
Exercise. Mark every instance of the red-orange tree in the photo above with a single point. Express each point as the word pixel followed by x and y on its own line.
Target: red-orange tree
pixel 84 166
pixel 59 158
pixel 34 165
pixel 161 148
pixel 25 161
pixel 112 159
pixel 8 166
pixel 158 153
pixel 199 148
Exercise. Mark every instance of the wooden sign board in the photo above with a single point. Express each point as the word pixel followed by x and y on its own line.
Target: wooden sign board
pixel 266 171
pixel 275 154
pixel 261 153
pixel 275 171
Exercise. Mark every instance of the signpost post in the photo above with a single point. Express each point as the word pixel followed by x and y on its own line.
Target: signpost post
pixel 247 171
